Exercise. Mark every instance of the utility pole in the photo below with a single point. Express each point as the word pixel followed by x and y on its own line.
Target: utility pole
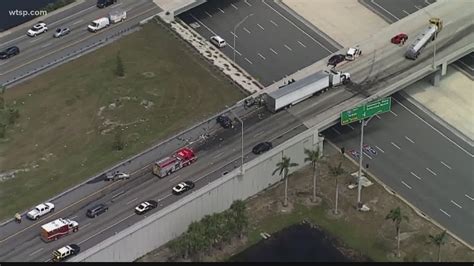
pixel 235 29
pixel 241 141
pixel 361 155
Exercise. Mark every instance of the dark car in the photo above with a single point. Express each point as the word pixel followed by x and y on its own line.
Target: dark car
pixel 262 147
pixel 224 121
pixel 146 206
pixel 105 3
pixel 183 187
pixel 336 59
pixel 96 210
pixel 9 52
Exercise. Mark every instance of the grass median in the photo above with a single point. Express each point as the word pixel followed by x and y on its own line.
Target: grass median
pixel 80 118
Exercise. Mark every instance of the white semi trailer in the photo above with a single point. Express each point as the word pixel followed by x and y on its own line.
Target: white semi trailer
pixel 300 90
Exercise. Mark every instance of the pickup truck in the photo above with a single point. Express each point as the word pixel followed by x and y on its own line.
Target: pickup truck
pixel 40 210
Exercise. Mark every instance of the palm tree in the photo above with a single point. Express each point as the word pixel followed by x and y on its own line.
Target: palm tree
pixel 284 167
pixel 336 171
pixel 313 156
pixel 397 217
pixel 439 240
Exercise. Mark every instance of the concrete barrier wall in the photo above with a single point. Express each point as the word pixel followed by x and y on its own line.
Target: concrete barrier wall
pixel 174 219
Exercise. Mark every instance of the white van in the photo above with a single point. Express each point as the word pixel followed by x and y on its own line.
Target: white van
pixel 99 24
pixel 117 15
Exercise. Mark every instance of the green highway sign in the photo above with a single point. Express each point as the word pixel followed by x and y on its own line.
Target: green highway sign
pixel 365 111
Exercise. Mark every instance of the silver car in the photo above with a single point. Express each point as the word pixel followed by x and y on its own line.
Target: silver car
pixel 61 32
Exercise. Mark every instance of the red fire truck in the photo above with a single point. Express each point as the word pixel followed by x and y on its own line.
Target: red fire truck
pixel 183 157
pixel 58 228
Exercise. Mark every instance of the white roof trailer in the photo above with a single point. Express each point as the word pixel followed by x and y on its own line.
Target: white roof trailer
pixel 300 90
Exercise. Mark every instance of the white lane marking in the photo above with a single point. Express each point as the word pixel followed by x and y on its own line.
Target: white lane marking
pixel 234 35
pixel 85 225
pixel 75 14
pixel 410 140
pixel 73 217
pixel 406 185
pixel 33 253
pixel 46 45
pixel 128 202
pixel 287 47
pixel 245 29
pixel 107 228
pixel 468 66
pixel 36 39
pixel 207 13
pixel 445 212
pixel 447 166
pixel 221 10
pixel 259 54
pixel 457 205
pixel 396 146
pixel 351 127
pixel 211 31
pixel 405 12
pixel 378 116
pixel 259 133
pixel 335 130
pixel 413 174
pixel 174 178
pixel 77 22
pixel 302 44
pixel 418 7
pixel 378 148
pixel 450 140
pixel 260 26
pixel 381 7
pixel 291 22
pixel 12 40
pixel 393 113
pixel 273 22
pixel 245 1
pixel 273 51
pixel 469 197
pixel 218 155
pixel 366 155
pixel 233 6
pixel 250 62
pixel 159 200
pixel 431 171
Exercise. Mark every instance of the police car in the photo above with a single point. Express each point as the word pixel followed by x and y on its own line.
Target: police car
pixel 65 252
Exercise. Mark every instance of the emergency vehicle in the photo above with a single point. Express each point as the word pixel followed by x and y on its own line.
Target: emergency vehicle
pixel 183 157
pixel 65 252
pixel 58 228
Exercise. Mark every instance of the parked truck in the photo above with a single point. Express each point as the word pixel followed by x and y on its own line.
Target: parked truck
pixel 428 34
pixel 183 157
pixel 303 89
pixel 117 15
pixel 58 228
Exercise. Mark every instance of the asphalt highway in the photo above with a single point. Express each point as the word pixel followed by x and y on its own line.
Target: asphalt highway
pixel 42 49
pixel 270 43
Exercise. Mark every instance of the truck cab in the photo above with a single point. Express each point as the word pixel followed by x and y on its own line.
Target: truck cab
pixel 353 53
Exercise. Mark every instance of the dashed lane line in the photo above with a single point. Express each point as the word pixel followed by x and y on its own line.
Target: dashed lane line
pixel 245 1
pixel 94 235
pixel 381 7
pixel 471 198
pixel 393 113
pixel 273 51
pixel 291 22
pixel 250 62
pixel 234 6
pixel 222 11
pixel 457 205
pixel 77 22
pixel 447 166
pixel 207 13
pixel 351 127
pixel 431 171
pixel 259 54
pixel 396 146
pixel 274 23
pixel 245 29
pixel 130 201
pixel 335 130
pixel 33 253
pixel 260 26
pixel 378 148
pixel 406 185
pixel 447 214
pixel 287 47
pixel 432 127
pixel 413 174
pixel 302 44
pixel 406 12
pixel 410 140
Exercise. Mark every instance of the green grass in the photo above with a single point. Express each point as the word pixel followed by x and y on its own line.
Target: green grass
pixel 61 139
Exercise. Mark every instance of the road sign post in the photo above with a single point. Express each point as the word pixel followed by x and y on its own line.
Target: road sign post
pixel 360 113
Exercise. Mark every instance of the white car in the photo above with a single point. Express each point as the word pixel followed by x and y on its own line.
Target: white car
pixel 37 29
pixel 117 176
pixel 218 41
pixel 40 210
pixel 183 187
pixel 146 206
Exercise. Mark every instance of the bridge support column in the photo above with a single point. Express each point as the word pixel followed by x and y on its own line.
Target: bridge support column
pixel 435 78
pixel 444 68
pixel 167 16
pixel 318 140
